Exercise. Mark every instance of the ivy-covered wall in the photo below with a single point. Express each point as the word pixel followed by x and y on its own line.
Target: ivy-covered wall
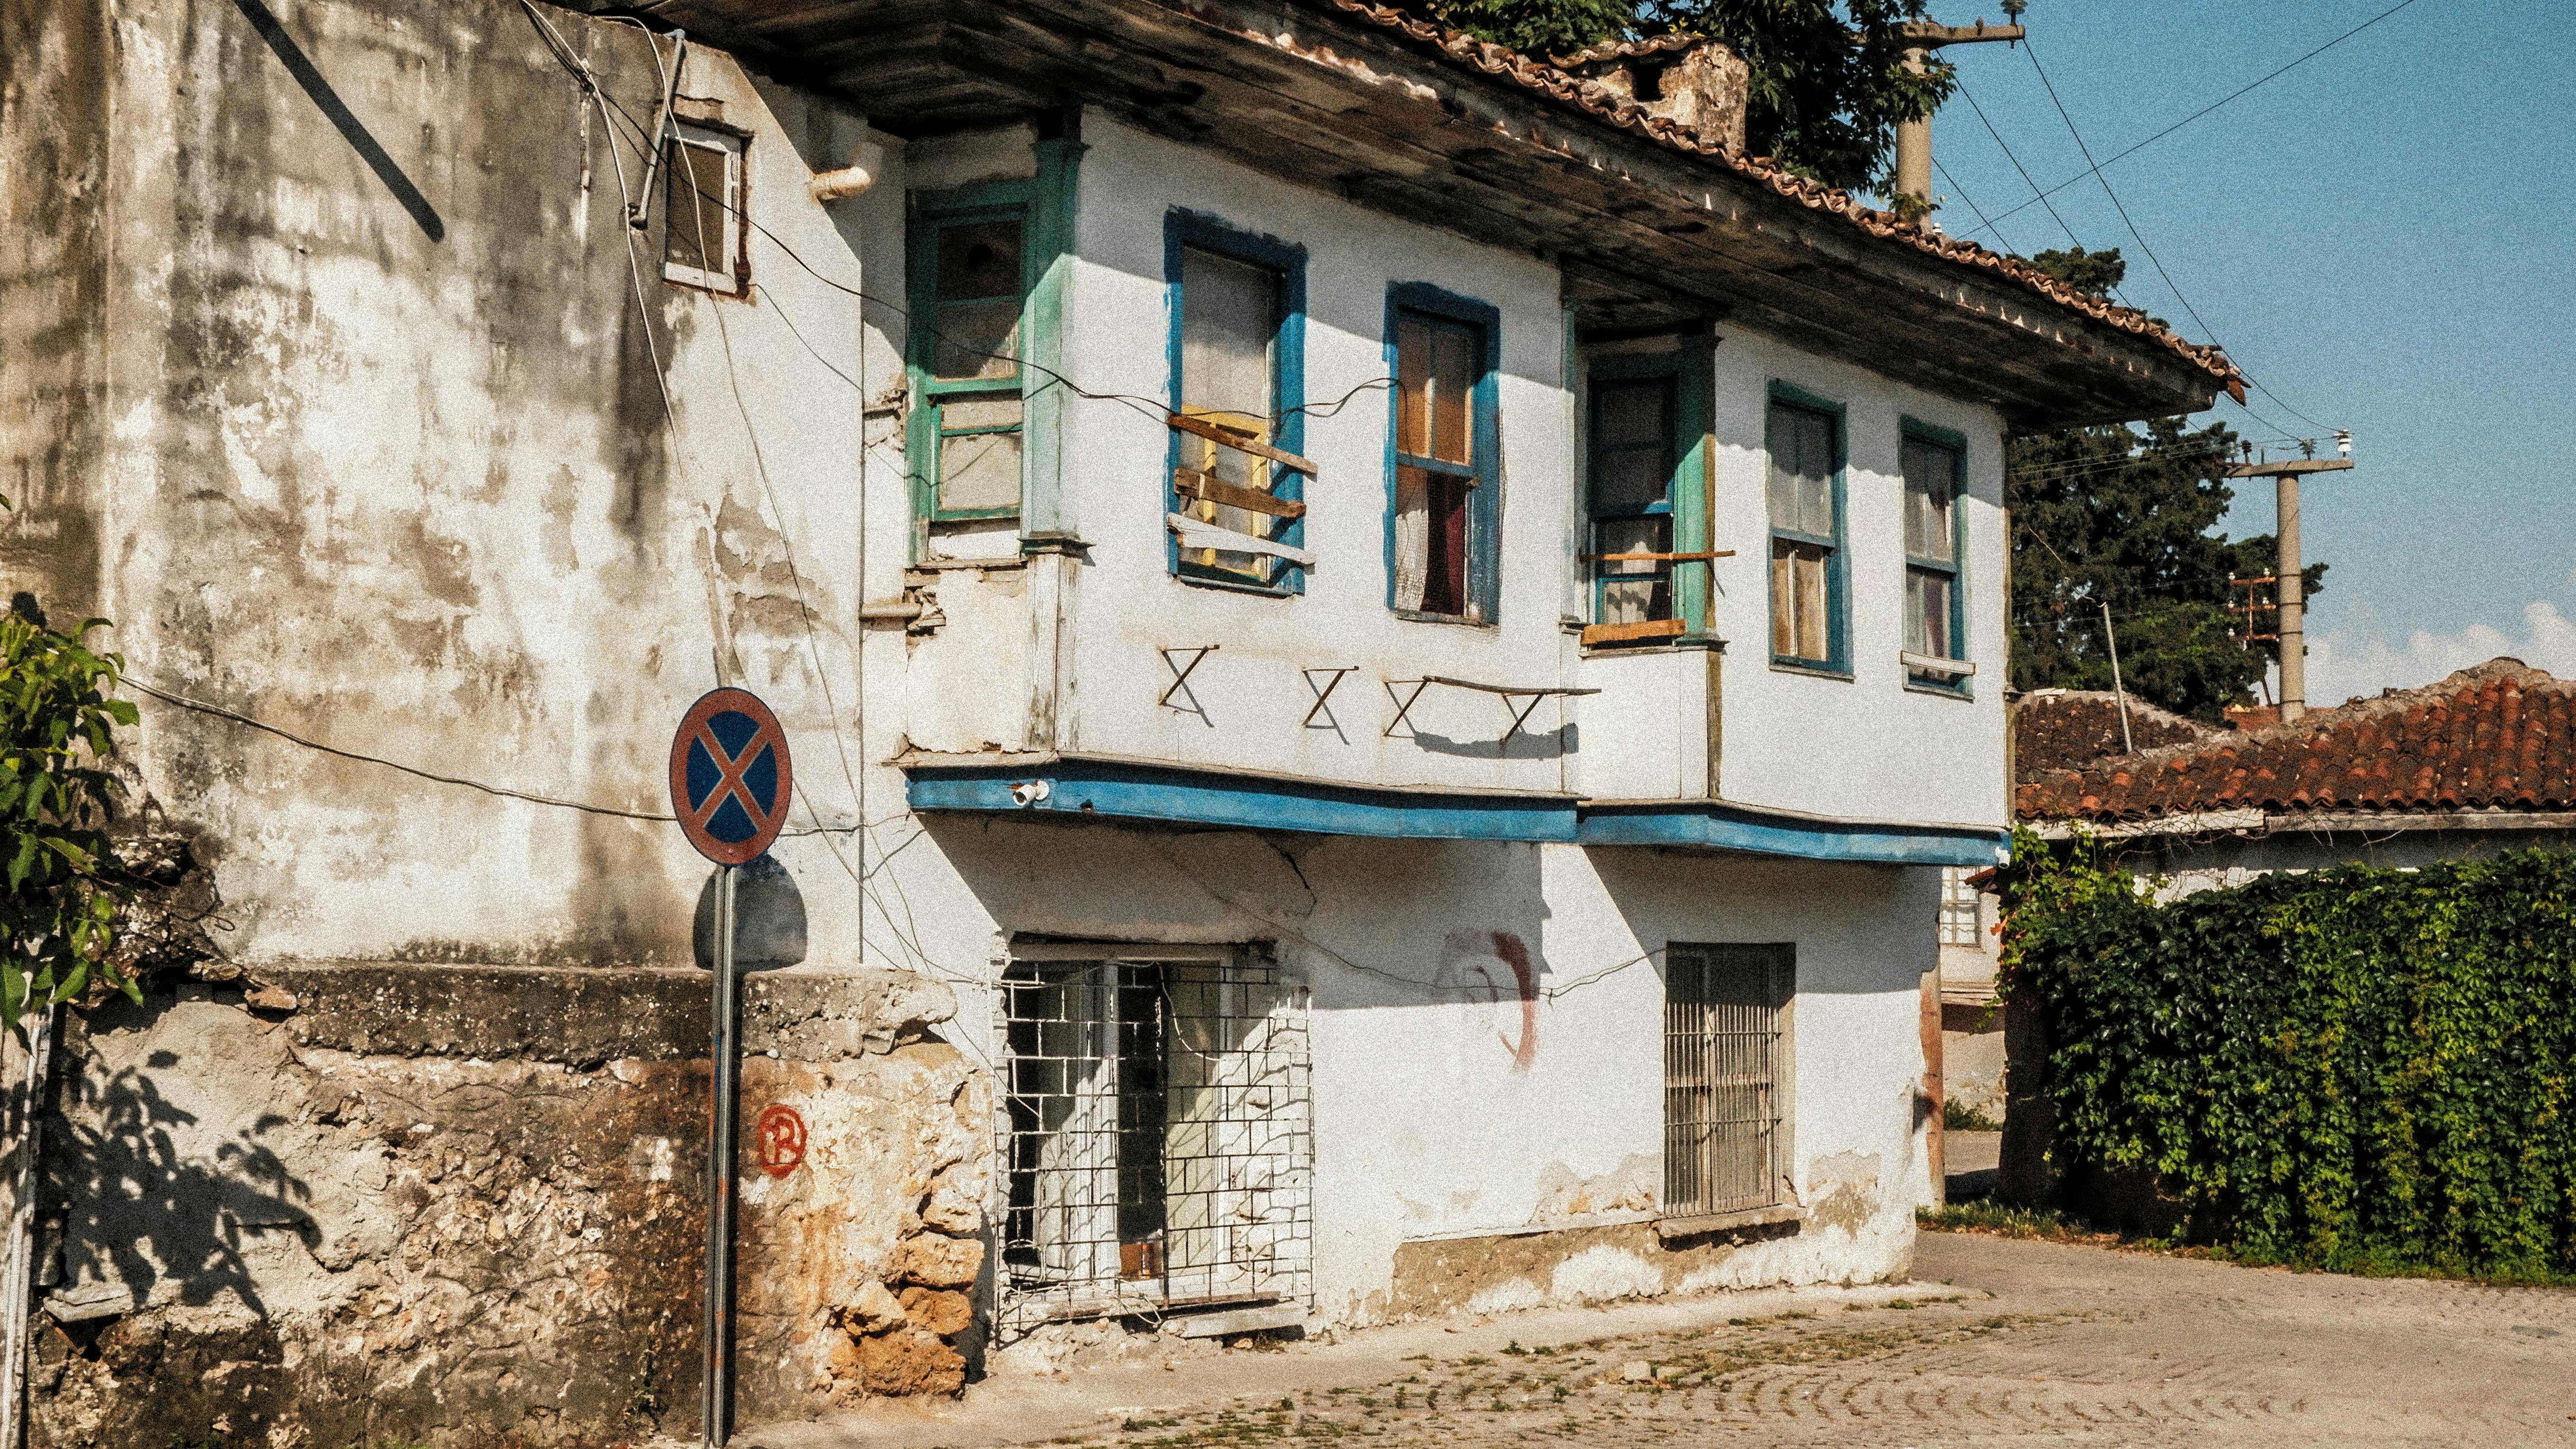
pixel 2355 1067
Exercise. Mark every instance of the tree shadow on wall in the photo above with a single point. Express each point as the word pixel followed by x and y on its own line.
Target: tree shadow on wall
pixel 141 1203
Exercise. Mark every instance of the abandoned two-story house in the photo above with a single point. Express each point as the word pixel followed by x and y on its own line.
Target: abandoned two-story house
pixel 1384 642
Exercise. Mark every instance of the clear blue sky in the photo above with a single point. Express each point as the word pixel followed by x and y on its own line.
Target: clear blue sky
pixel 2384 237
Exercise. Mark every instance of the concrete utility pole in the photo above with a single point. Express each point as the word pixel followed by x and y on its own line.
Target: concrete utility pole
pixel 2285 476
pixel 1914 138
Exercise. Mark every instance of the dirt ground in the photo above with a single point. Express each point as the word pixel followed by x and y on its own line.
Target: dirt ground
pixel 1998 1342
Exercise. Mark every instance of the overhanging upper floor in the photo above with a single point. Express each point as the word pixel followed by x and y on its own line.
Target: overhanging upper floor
pixel 1651 223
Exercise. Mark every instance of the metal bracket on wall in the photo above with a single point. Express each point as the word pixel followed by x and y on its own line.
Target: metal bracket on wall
pixel 1181 677
pixel 1323 694
pixel 1511 695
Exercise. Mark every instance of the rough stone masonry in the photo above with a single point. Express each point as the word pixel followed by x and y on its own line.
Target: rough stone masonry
pixel 447 1205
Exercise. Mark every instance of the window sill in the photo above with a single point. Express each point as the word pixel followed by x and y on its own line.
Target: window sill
pixel 1942 691
pixel 1229 586
pixel 1420 617
pixel 1812 671
pixel 1691 1227
pixel 1687 644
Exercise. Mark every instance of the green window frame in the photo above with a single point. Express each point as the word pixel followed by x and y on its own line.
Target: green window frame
pixel 1645 492
pixel 1202 245
pixel 1803 455
pixel 972 269
pixel 1933 462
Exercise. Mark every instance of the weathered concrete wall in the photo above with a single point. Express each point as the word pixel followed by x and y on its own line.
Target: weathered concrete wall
pixel 465 1207
pixel 341 363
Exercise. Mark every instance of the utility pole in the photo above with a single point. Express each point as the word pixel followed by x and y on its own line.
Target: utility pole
pixel 2285 476
pixel 1914 138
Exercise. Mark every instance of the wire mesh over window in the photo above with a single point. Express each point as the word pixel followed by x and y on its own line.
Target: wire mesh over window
pixel 1725 1025
pixel 1155 1139
pixel 1958 907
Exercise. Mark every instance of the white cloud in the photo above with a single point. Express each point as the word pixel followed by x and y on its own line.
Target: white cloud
pixel 2359 658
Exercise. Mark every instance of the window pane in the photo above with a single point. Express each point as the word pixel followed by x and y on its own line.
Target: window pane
pixel 1430 541
pixel 1931 488
pixel 1435 379
pixel 1810 565
pixel 1229 320
pixel 958 415
pixel 979 470
pixel 979 259
pixel 695 218
pixel 1633 590
pixel 1801 477
pixel 1927 613
pixel 1630 479
pixel 1632 412
pixel 977 339
pixel 1784 601
pixel 1798 600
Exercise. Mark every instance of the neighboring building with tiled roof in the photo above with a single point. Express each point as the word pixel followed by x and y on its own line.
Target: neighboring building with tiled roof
pixel 2058 730
pixel 2499 737
pixel 2482 760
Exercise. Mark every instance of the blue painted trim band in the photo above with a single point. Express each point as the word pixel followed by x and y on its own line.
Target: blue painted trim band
pixel 1174 795
pixel 1708 826
pixel 1249 802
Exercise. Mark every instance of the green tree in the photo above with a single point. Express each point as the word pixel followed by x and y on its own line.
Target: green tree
pixel 2128 517
pixel 1828 83
pixel 65 888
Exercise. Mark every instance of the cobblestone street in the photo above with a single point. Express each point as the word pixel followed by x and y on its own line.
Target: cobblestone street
pixel 2001 1343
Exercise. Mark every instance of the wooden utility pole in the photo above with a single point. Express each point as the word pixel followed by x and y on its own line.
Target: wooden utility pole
pixel 1914 138
pixel 2285 476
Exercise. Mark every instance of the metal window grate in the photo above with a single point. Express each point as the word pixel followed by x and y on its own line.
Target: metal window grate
pixel 1154 1139
pixel 1958 907
pixel 1725 1010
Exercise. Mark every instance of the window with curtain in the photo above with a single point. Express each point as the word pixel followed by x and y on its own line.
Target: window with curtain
pixel 1440 366
pixel 1231 313
pixel 1933 608
pixel 1806 535
pixel 966 349
pixel 1632 432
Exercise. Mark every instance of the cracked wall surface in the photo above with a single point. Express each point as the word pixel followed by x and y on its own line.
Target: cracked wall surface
pixel 397 1210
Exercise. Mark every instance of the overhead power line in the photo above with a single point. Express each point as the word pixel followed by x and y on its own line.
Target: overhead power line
pixel 2140 237
pixel 2236 94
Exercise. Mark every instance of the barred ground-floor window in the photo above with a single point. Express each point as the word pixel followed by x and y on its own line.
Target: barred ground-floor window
pixel 1726 1037
pixel 1154 1133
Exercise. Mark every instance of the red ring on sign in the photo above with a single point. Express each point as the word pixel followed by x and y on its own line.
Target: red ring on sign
pixel 779 1139
pixel 733 776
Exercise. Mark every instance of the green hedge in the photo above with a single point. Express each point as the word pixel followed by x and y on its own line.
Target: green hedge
pixel 2355 1068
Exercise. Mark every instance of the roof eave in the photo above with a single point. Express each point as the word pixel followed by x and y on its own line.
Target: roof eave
pixel 1380 116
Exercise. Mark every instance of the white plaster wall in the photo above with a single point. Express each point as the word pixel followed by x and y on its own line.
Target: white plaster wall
pixel 1866 747
pixel 1126 605
pixel 1441 1108
pixel 420 501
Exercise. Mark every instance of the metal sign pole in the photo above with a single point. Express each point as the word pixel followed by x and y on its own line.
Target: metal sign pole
pixel 730 784
pixel 721 1154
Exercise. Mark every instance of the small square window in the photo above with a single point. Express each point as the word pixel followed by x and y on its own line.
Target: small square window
pixel 703 217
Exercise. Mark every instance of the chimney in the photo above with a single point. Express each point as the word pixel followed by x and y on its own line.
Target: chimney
pixel 1698 85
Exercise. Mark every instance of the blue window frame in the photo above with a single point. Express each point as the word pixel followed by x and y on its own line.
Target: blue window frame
pixel 1444 455
pixel 1237 356
pixel 1933 461
pixel 971 270
pixel 1803 438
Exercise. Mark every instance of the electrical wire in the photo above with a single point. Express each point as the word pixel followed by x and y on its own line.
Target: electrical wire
pixel 2205 110
pixel 2140 237
pixel 1953 183
pixel 1966 95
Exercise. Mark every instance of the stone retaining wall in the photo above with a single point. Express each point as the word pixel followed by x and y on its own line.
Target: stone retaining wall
pixel 442 1205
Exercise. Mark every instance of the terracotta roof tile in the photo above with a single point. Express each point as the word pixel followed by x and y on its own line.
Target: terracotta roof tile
pixel 2501 736
pixel 2068 729
pixel 1595 100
